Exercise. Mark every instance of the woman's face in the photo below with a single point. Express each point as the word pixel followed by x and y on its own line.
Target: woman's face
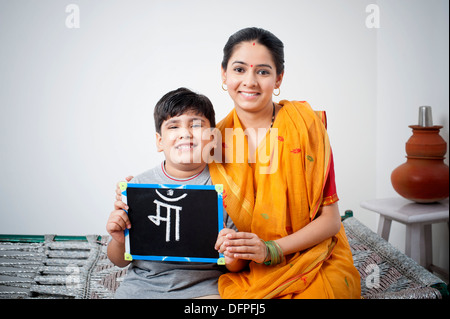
pixel 251 77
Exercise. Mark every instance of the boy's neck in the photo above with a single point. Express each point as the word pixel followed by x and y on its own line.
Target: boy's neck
pixel 184 171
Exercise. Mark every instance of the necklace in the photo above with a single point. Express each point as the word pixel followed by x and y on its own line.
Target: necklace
pixel 273 116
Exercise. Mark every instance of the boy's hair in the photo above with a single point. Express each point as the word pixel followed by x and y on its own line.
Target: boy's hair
pixel 181 101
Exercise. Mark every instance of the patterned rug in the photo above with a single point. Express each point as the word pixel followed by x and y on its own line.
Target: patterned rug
pixel 387 273
pixel 77 267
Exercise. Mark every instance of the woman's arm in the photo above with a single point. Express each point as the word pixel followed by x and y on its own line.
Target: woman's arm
pixel 248 246
pixel 325 225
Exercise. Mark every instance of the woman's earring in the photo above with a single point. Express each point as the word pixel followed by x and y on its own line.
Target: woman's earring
pixel 279 91
pixel 225 89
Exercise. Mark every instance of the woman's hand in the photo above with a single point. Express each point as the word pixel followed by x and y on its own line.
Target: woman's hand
pixel 242 245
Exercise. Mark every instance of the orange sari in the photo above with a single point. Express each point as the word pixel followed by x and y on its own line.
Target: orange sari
pixel 277 193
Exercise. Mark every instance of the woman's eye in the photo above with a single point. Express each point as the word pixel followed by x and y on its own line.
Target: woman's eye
pixel 263 72
pixel 239 70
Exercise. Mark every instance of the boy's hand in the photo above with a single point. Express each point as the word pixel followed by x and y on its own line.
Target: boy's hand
pixel 118 219
pixel 222 244
pixel 117 222
pixel 119 191
pixel 219 246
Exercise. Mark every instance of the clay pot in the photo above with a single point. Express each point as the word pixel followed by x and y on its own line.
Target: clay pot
pixel 424 178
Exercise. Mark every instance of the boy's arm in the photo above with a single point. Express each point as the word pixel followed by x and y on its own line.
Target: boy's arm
pixel 118 221
pixel 116 251
pixel 235 265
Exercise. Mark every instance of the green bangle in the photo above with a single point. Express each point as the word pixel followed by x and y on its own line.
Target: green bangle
pixel 275 252
pixel 267 254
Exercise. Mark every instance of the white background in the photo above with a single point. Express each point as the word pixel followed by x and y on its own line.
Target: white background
pixel 77 103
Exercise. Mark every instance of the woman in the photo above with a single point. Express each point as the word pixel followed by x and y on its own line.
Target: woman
pixel 281 196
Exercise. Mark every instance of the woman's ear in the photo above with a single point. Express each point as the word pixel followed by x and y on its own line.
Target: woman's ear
pixel 279 80
pixel 159 146
pixel 223 74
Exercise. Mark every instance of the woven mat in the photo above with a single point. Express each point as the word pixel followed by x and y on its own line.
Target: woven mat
pixel 58 267
pixel 387 273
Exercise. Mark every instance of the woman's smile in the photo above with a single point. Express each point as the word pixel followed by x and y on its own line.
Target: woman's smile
pixel 249 95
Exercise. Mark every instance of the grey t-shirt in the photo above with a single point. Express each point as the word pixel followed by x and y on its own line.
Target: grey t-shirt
pixel 170 280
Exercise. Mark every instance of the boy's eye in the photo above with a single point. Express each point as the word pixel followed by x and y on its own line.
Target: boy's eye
pixel 196 123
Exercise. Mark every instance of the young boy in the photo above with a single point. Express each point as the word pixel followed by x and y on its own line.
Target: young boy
pixel 181 119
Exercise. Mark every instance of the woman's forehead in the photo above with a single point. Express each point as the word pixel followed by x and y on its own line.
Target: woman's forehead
pixel 251 53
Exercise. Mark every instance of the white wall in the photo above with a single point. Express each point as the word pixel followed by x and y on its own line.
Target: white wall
pixel 412 70
pixel 76 103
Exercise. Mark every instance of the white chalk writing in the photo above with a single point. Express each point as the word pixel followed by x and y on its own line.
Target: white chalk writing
pixel 157 219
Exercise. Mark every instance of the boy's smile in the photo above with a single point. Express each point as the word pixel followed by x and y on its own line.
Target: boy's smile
pixel 185 146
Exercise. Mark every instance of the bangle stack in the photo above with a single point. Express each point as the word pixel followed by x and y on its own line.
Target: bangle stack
pixel 273 250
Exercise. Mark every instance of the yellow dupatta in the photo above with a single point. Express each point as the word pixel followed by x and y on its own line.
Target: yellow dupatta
pixel 275 196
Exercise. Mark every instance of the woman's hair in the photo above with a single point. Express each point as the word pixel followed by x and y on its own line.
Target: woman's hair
pixel 261 36
pixel 180 101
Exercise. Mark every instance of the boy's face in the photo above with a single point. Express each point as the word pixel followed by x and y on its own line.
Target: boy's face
pixel 186 141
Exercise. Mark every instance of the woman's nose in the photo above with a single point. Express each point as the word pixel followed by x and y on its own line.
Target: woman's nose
pixel 250 79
